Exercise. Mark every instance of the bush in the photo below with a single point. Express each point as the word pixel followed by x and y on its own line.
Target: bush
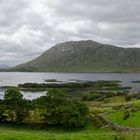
pixel 16 106
pixel 97 120
pixel 56 108
pixel 129 97
pixel 126 115
pixel 73 114
pixel 93 97
pixel 63 111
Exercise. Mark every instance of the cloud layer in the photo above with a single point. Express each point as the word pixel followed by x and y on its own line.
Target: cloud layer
pixel 29 27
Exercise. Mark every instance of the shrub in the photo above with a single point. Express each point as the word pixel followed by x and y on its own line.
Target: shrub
pixel 61 110
pixel 129 97
pixel 93 97
pixel 126 115
pixel 15 104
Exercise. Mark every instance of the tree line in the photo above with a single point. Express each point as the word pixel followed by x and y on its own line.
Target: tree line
pixel 55 107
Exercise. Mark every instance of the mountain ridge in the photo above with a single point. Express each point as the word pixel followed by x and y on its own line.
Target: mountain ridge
pixel 84 56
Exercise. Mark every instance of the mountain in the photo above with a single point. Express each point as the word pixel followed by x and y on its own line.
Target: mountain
pixel 2 66
pixel 84 56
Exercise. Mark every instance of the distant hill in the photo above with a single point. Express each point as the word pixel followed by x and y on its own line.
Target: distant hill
pixel 84 56
pixel 3 66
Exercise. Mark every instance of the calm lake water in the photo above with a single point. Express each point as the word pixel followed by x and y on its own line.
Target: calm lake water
pixel 15 78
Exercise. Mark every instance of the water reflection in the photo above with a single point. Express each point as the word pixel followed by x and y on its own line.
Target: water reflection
pixel 15 78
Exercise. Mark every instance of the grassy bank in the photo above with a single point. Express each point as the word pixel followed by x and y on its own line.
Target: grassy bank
pixel 20 133
pixel 88 133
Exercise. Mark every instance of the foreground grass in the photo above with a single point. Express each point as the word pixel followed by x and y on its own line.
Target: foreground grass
pixel 56 133
pixel 88 133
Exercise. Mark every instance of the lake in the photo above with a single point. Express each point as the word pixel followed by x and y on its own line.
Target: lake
pixel 15 78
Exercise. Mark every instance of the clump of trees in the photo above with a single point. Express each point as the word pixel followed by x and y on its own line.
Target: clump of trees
pixel 60 110
pixel 15 107
pixel 55 108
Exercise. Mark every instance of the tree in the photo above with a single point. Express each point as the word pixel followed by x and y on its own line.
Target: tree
pixel 55 98
pixel 61 110
pixel 74 114
pixel 14 102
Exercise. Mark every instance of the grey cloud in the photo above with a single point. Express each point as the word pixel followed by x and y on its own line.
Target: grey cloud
pixel 29 27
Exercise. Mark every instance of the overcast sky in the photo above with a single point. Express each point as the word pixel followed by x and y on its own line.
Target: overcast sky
pixel 29 27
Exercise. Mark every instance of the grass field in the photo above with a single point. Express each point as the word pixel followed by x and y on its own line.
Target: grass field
pixel 88 133
pixel 132 121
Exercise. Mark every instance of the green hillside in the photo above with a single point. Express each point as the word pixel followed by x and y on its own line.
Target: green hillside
pixel 84 56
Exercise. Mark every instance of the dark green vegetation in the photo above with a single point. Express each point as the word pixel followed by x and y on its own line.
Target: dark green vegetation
pixel 62 111
pixel 84 56
pixel 138 81
pixel 14 108
pixel 54 109
pixel 52 80
pixel 83 84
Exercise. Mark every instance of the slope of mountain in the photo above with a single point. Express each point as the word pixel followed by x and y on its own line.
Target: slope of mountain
pixel 85 56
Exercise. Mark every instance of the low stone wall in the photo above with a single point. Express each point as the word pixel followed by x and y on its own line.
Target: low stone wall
pixel 114 126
